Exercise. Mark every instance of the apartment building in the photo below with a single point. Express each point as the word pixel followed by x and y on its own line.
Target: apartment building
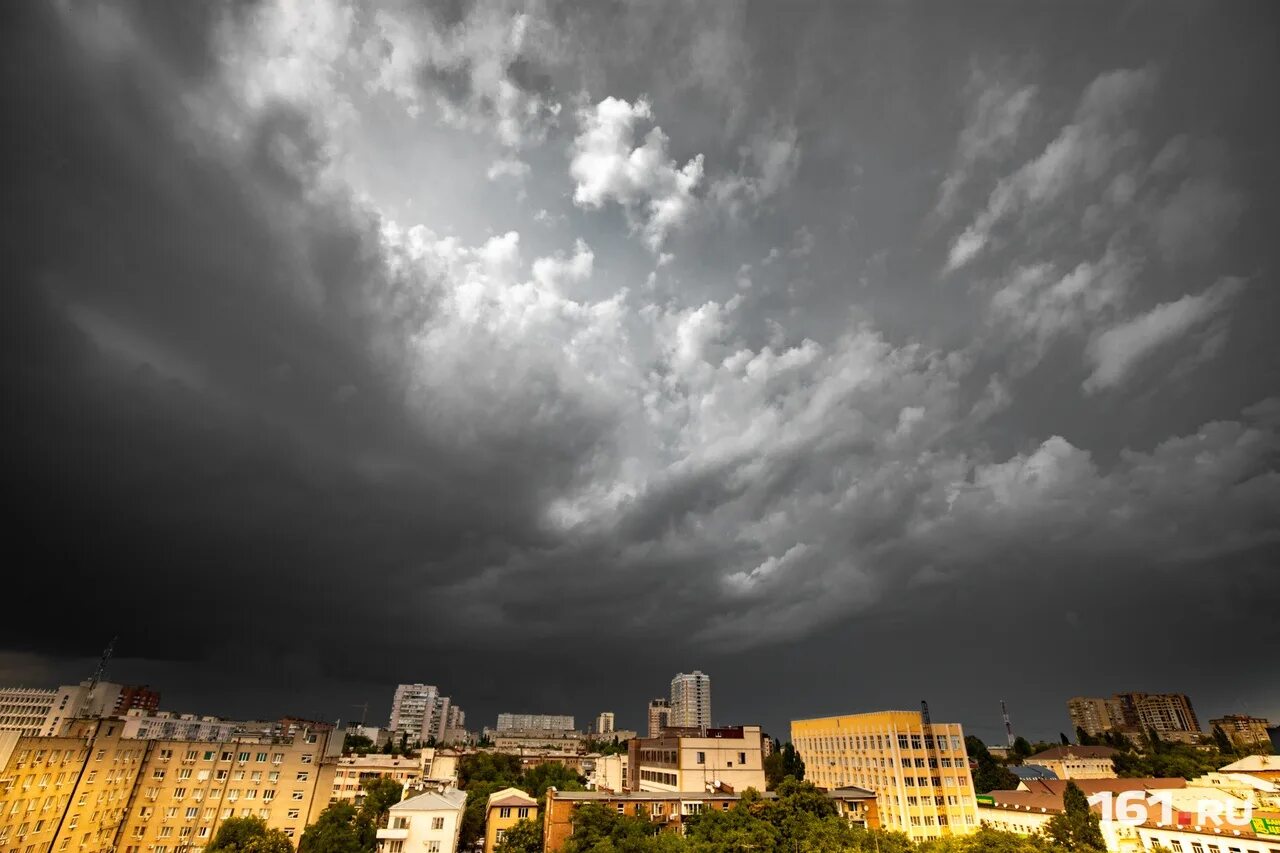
pixel 504 810
pixel 535 722
pixel 729 759
pixel 353 770
pixel 1170 715
pixel 25 709
pixel 659 716
pixel 1095 716
pixel 691 700
pixel 70 793
pixel 1077 762
pixel 669 810
pixel 93 790
pixel 920 773
pixel 604 723
pixel 421 713
pixel 427 823
pixel 1244 730
pixel 166 725
pixel 187 788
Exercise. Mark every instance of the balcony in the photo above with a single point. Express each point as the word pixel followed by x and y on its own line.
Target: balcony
pixel 391 833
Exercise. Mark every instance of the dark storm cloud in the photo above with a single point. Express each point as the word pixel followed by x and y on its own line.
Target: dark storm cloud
pixel 282 441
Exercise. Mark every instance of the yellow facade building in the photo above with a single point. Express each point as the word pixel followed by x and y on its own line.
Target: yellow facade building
pixel 504 809
pixel 920 773
pixel 91 790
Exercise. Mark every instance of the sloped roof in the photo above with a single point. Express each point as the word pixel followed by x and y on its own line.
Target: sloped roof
pixel 450 800
pixel 1253 763
pixel 1032 771
pixel 511 797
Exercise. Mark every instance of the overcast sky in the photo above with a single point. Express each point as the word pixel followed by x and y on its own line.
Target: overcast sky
pixel 852 353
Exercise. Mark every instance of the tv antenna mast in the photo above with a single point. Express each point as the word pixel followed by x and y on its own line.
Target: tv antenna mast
pixel 101 671
pixel 1008 726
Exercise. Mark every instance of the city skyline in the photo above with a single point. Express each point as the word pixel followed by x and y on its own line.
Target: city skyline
pixel 855 354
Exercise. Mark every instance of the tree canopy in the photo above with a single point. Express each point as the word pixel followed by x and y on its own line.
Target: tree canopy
pixel 248 835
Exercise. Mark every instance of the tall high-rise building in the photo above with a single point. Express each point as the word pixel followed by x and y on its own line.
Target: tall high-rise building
pixel 919 771
pixel 419 711
pixel 1170 715
pixel 691 699
pixel 659 716
pixel 535 722
pixel 604 723
pixel 24 709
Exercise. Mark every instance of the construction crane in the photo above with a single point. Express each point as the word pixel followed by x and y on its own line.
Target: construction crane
pixel 1008 726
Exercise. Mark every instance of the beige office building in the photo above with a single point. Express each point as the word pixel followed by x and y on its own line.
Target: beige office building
pixel 920 773
pixel 724 759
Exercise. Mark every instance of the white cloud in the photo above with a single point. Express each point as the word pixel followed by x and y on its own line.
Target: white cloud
pixel 1080 154
pixel 508 168
pixel 994 121
pixel 1116 352
pixel 608 166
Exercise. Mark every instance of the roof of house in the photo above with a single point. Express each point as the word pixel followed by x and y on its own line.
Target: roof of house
pixel 508 797
pixel 1253 763
pixel 1032 771
pixel 1045 795
pixel 450 800
pixel 1058 753
pixel 845 793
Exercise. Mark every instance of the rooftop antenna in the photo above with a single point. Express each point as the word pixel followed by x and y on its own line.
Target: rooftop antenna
pixel 101 671
pixel 1008 726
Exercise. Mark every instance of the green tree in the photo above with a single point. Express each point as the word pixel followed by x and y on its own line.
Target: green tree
pixel 358 744
pixel 524 836
pixel 1021 749
pixel 380 794
pixel 1224 744
pixel 249 835
pixel 990 775
pixel 1077 827
pixel 551 774
pixel 338 829
pixel 1084 738
pixel 1062 736
pixel 792 763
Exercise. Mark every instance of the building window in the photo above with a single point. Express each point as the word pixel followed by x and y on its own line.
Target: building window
pixel 437 823
pixel 504 812
pixel 702 758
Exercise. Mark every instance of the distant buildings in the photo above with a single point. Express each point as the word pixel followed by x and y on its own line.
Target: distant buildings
pixel 532 722
pixel 920 773
pixel 697 759
pixel 1244 730
pixel 504 809
pixel 419 712
pixel 604 723
pixel 1170 715
pixel 659 716
pixel 39 711
pixel 166 725
pixel 691 700
pixel 1076 762
pixel 427 823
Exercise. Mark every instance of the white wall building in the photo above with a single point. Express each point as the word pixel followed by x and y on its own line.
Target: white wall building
pixel 604 723
pixel 535 722
pixel 691 699
pixel 427 823
pixel 25 709
pixel 419 711
pixel 166 725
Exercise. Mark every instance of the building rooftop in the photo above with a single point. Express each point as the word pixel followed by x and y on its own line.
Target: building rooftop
pixel 450 800
pixel 1253 763
pixel 1058 753
pixel 1032 771
pixel 511 797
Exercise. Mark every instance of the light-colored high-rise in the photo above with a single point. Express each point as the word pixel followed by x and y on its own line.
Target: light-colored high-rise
pixel 1170 715
pixel 920 772
pixel 604 723
pixel 691 699
pixel 421 713
pixel 25 709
